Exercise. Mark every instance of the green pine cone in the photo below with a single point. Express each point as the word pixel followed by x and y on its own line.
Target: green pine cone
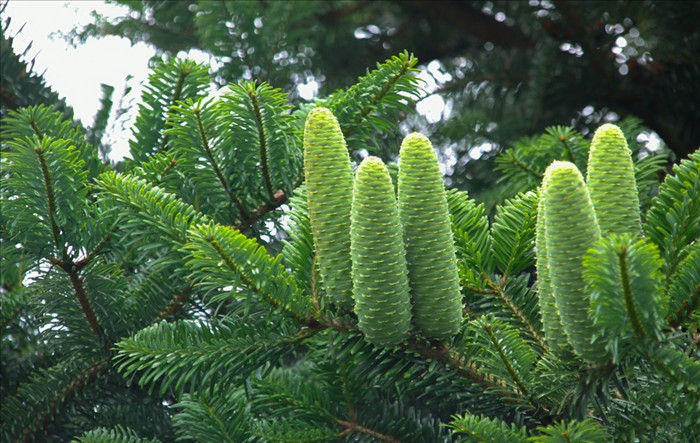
pixel 611 183
pixel 329 182
pixel 379 272
pixel 570 230
pixel 551 322
pixel 427 232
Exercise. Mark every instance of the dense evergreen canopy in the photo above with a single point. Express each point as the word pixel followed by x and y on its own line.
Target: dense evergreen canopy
pixel 185 293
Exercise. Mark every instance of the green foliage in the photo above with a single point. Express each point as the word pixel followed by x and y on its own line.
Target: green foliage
pixel 22 87
pixel 262 145
pixel 513 231
pixel 155 302
pixel 583 431
pixel 672 221
pixel 245 263
pixel 115 435
pixel 366 110
pixel 625 291
pixel 482 429
pixel 379 272
pixel 430 253
pixel 49 185
pixel 471 231
pixel 198 354
pixel 170 82
pixel 501 352
pixel 298 251
pixel 478 429
pixel 207 417
pixel 523 164
pixel 684 287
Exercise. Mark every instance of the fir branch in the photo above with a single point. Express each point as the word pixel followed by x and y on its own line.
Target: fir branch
pixel 165 171
pixel 182 74
pixel 212 246
pixel 352 412
pixel 55 231
pixel 498 290
pixel 488 328
pixel 677 318
pixel 407 64
pixel 252 93
pixel 278 199
pixel 567 149
pixel 630 301
pixel 79 287
pixel 35 128
pixel 80 264
pixel 80 382
pixel 177 302
pixel 351 427
pixel 248 281
pixel 215 166
pixel 444 355
pixel 515 161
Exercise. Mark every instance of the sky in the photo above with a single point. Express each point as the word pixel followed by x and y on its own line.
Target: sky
pixel 76 73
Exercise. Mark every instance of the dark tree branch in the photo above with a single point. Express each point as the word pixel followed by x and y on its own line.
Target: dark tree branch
pixel 278 199
pixel 463 17
pixel 80 382
pixel 262 142
pixel 177 302
pixel 80 264
pixel 79 288
pixel 351 426
pixel 48 186
pixel 638 93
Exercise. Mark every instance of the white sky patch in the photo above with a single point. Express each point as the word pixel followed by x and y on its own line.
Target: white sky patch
pixel 432 107
pixel 76 73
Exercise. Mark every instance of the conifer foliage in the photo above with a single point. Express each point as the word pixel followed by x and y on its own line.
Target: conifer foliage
pixel 185 294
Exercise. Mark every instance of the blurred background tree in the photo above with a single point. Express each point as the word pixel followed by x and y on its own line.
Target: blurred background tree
pixel 498 70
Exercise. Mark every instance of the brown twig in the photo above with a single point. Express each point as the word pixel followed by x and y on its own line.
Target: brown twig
pixel 48 186
pixel 262 142
pixel 82 380
pixel 351 426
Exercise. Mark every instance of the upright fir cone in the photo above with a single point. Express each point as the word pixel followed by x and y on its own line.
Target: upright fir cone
pixel 329 182
pixel 570 230
pixel 427 232
pixel 551 322
pixel 380 276
pixel 611 183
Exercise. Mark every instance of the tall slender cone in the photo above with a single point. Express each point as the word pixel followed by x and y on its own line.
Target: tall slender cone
pixel 379 272
pixel 551 322
pixel 430 251
pixel 329 182
pixel 611 183
pixel 570 230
